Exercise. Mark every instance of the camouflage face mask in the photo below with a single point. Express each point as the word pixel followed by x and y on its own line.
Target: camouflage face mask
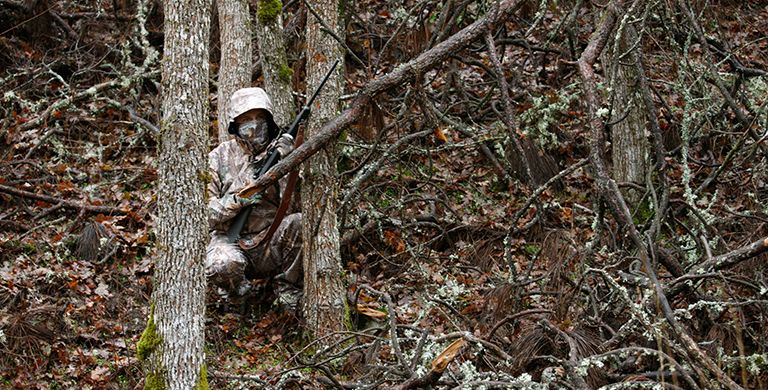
pixel 256 132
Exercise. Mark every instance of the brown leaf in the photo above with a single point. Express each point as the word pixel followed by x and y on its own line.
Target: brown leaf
pixel 441 361
pixel 98 374
pixel 394 240
pixel 440 135
pixel 319 57
pixel 65 186
pixel 370 312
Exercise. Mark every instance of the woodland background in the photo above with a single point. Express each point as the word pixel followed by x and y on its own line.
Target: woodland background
pixel 467 264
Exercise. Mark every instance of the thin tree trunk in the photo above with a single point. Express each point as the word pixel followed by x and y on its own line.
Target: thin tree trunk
pixel 277 73
pixel 236 55
pixel 324 307
pixel 172 343
pixel 629 142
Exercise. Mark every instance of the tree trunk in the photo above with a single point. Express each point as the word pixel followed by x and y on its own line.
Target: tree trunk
pixel 629 143
pixel 277 73
pixel 236 55
pixel 324 307
pixel 172 343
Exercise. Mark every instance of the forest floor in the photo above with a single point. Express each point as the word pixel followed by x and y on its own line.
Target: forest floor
pixel 435 239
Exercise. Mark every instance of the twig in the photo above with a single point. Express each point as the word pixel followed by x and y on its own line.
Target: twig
pixel 678 368
pixel 535 195
pixel 353 189
pixel 474 339
pixel 509 114
pixel 573 358
pixel 392 329
pixel 328 30
pixel 513 317
pixel 39 119
pixel 18 226
pixel 742 117
pixel 720 262
pixel 149 125
pixel 38 227
pixel 72 34
pixel 64 203
pixel 242 377
pixel 467 131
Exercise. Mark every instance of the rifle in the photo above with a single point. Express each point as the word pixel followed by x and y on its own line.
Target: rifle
pixel 233 234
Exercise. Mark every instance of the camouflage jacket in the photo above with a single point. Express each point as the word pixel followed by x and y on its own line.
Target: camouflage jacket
pixel 232 167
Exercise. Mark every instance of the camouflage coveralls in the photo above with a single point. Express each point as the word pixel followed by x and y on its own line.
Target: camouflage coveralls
pixel 226 264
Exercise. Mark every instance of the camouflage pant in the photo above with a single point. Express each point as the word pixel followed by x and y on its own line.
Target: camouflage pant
pixel 226 264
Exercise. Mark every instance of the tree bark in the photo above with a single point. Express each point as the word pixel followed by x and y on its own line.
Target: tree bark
pixel 324 308
pixel 236 55
pixel 277 73
pixel 629 143
pixel 172 344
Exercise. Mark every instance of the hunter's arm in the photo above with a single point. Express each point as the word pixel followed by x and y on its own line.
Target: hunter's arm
pixel 223 205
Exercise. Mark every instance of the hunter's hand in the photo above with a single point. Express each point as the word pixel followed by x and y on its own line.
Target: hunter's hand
pixel 284 145
pixel 248 201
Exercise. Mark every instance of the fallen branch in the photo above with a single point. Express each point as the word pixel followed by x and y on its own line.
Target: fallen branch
pixel 397 77
pixel 63 103
pixel 64 203
pixel 13 225
pixel 239 378
pixel 718 263
pixel 513 317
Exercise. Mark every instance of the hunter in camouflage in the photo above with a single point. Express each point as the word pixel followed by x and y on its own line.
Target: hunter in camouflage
pixel 233 164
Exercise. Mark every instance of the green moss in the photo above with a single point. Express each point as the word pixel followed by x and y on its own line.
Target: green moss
pixel 154 381
pixel 29 249
pixel 269 10
pixel 342 12
pixel 285 73
pixel 205 176
pixel 343 136
pixel 644 212
pixel 203 383
pixel 348 317
pixel 150 339
pixel 532 249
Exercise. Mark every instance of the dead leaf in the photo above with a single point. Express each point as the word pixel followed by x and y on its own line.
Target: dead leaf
pixel 440 135
pixel 394 240
pixel 441 361
pixel 370 312
pixel 102 290
pixel 98 374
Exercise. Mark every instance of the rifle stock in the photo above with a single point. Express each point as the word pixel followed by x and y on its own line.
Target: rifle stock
pixel 233 234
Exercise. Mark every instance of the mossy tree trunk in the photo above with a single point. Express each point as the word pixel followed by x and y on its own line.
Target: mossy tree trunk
pixel 236 55
pixel 324 308
pixel 277 73
pixel 172 344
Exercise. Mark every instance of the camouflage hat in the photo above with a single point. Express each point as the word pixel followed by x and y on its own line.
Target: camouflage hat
pixel 246 99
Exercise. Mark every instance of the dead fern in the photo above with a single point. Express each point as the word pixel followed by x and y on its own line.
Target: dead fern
pixel 29 335
pixel 94 242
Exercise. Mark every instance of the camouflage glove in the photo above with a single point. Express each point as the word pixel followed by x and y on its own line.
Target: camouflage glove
pixel 284 145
